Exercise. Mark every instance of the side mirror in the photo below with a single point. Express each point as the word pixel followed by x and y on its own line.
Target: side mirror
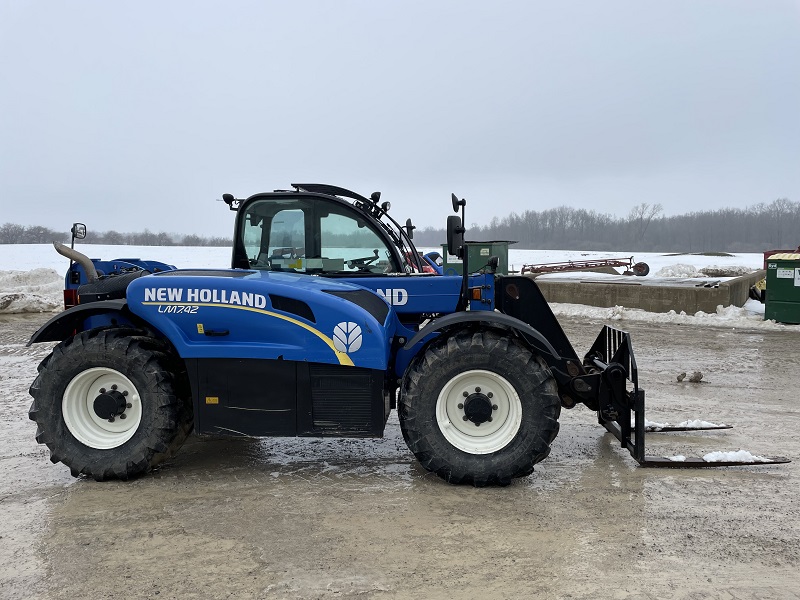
pixel 410 229
pixel 232 202
pixel 78 231
pixel 494 262
pixel 455 236
pixel 457 202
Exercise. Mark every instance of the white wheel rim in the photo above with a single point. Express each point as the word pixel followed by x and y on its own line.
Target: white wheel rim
pixel 89 428
pixel 489 436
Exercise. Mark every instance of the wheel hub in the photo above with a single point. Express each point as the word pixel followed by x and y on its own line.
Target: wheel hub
pixel 478 411
pixel 110 404
pixel 101 408
pixel 478 408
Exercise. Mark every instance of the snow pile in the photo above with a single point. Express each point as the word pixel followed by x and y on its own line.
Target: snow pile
pixel 727 271
pixel 691 271
pixel 698 424
pixel 691 424
pixel 750 315
pixel 737 456
pixel 39 290
pixel 679 270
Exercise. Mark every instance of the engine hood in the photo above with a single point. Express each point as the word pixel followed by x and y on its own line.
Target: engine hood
pixel 232 313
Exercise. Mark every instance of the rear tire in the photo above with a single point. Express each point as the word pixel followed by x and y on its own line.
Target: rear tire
pixel 479 408
pixel 110 404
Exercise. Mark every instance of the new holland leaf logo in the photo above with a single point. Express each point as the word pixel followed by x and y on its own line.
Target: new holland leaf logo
pixel 347 337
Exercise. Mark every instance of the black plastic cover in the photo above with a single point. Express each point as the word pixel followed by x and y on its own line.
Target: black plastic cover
pixel 369 301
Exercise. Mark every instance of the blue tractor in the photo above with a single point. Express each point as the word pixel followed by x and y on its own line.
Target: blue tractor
pixel 327 320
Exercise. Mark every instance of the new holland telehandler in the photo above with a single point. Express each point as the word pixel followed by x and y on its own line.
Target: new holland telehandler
pixel 328 319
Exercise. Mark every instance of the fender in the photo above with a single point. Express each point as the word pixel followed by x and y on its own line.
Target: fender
pixel 493 318
pixel 64 324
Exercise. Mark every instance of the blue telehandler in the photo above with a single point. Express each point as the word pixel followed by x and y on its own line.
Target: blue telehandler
pixel 327 320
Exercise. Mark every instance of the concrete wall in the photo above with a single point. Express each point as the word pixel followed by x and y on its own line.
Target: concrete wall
pixel 652 298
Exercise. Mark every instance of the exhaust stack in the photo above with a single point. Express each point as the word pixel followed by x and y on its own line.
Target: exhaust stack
pixel 78 257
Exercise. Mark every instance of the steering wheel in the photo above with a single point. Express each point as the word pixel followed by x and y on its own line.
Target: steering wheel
pixel 362 263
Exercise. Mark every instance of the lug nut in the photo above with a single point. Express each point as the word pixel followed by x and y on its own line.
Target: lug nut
pixel 123 416
pixel 489 395
pixel 487 418
pixel 111 420
pixel 477 390
pixel 466 394
pixel 466 418
pixel 113 387
pixel 494 406
pixel 129 405
pixel 102 390
pixel 125 393
pixel 460 405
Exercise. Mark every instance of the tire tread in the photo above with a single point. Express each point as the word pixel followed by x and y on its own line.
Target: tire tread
pixel 419 392
pixel 163 386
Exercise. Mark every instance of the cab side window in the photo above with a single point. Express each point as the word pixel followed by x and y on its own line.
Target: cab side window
pixel 354 245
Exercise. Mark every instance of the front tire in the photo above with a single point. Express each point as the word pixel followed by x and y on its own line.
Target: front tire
pixel 479 408
pixel 110 404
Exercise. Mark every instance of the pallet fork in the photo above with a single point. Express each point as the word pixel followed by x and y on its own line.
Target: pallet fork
pixel 622 411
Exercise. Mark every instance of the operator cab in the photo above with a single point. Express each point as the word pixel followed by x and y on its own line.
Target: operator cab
pixel 322 229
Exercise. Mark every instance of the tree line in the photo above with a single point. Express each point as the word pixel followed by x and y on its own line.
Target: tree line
pixel 645 229
pixel 11 233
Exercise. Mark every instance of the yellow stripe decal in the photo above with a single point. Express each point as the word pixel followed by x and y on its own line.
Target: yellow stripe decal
pixel 342 357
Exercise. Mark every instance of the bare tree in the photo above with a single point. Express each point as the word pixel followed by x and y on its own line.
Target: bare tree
pixel 36 234
pixel 11 233
pixel 640 217
pixel 115 238
pixel 192 240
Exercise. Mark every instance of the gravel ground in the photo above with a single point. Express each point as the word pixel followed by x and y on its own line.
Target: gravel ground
pixel 277 518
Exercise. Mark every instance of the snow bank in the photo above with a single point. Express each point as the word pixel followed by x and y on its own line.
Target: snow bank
pixel 39 290
pixel 726 271
pixel 751 315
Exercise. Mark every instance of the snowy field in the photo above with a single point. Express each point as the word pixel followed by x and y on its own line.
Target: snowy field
pixel 31 277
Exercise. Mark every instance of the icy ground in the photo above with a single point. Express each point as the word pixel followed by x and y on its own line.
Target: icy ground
pixel 31 278
pixel 209 514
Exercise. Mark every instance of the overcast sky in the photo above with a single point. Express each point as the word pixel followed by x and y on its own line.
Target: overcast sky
pixel 141 114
